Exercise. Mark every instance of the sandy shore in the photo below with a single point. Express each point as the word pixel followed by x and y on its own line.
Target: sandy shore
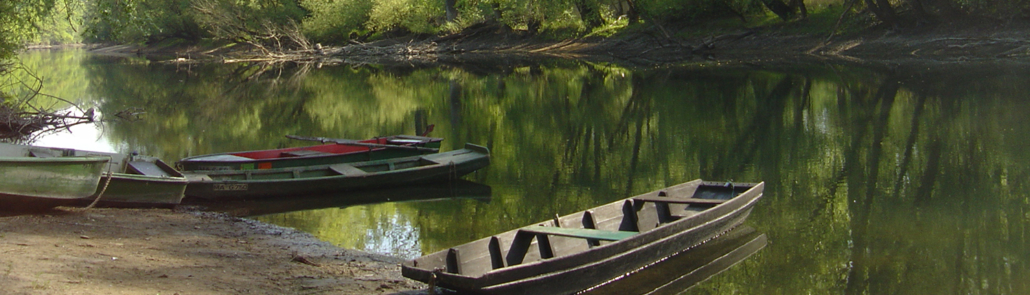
pixel 158 251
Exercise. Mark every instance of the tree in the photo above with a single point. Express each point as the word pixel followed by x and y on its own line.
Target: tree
pixel 883 11
pixel 779 8
pixel 452 12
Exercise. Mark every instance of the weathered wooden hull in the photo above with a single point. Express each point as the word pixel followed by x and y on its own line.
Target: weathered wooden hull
pixel 456 189
pixel 324 154
pixel 560 264
pixel 157 185
pixel 49 180
pixel 322 179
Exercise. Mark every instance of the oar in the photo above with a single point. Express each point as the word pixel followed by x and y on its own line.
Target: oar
pixel 358 143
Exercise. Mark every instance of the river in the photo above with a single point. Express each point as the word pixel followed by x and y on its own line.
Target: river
pixel 879 180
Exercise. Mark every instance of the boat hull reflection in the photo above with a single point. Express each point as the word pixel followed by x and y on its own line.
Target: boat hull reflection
pixel 682 271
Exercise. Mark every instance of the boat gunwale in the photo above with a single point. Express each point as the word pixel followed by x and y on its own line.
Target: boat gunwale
pixel 71 159
pixel 436 165
pixel 202 187
pixel 729 218
pixel 498 276
pixel 198 159
pixel 145 178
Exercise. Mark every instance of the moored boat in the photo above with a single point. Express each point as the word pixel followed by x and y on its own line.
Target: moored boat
pixel 134 180
pixel 338 151
pixel 456 189
pixel 321 179
pixel 46 182
pixel 584 249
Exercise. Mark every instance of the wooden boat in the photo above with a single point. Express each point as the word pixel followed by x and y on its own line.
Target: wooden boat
pixel 338 151
pixel 457 189
pixel 135 181
pixel 584 249
pixel 686 269
pixel 319 179
pixel 46 182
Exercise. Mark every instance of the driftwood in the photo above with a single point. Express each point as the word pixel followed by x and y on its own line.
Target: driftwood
pixel 22 119
pixel 18 125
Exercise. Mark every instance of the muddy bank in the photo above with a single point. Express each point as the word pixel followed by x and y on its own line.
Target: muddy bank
pixel 158 251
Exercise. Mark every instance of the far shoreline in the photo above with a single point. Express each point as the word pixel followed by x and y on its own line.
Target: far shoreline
pixel 942 45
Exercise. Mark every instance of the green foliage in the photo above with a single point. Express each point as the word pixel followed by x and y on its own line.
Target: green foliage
pixel 415 16
pixel 21 21
pixel 335 20
pixel 155 20
pixel 119 21
pixel 60 27
pixel 269 24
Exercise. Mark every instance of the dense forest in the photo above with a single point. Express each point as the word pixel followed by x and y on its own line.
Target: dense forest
pixel 295 23
pixel 285 25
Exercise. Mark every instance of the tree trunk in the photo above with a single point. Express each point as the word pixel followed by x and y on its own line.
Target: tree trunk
pixel 588 14
pixel 799 6
pixel 533 26
pixel 920 11
pixel 779 8
pixel 452 12
pixel 632 15
pixel 883 11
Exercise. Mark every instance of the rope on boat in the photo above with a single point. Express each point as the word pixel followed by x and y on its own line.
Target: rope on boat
pixel 108 182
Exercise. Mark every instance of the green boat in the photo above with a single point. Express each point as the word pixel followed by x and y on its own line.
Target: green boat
pixel 341 177
pixel 577 251
pixel 336 151
pixel 46 182
pixel 134 181
pixel 426 192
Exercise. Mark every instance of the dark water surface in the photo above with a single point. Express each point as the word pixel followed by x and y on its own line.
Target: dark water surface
pixel 900 180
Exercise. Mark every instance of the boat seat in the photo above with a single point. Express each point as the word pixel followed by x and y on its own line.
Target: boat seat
pixel 147 168
pixel 679 200
pixel 304 153
pixel 583 233
pixel 42 154
pixel 405 141
pixel 347 170
pixel 220 158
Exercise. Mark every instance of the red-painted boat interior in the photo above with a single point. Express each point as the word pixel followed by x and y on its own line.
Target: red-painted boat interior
pixel 331 148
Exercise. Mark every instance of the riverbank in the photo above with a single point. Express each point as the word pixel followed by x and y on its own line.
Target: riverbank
pixel 159 251
pixel 486 45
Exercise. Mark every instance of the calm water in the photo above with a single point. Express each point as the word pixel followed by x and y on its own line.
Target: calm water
pixel 908 180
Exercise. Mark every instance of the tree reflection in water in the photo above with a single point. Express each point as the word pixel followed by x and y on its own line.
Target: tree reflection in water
pixel 908 180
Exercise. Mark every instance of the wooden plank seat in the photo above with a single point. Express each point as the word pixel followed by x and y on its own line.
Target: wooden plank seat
pixel 583 233
pixel 347 170
pixel 224 158
pixel 148 168
pixel 669 200
pixel 41 154
pixel 304 153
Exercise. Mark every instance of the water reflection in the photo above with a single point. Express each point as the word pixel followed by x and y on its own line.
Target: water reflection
pixel 901 180
pixel 682 271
